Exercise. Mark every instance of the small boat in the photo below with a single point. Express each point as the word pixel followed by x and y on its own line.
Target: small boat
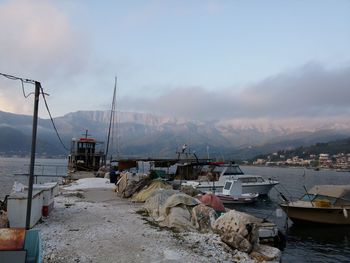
pixel 232 193
pixel 322 204
pixel 227 171
pixel 85 155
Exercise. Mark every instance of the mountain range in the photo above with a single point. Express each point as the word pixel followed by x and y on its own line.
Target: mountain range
pixel 148 135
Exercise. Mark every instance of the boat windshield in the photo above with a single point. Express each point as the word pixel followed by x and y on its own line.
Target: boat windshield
pixel 254 179
pixel 315 198
pixel 233 170
pixel 308 197
pixel 227 185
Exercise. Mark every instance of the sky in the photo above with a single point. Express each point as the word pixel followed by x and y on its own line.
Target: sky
pixel 204 60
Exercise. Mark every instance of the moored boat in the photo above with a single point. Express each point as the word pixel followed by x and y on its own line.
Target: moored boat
pixel 85 155
pixel 322 204
pixel 232 194
pixel 229 171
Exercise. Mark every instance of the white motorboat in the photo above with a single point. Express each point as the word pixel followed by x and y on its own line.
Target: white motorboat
pixel 232 193
pixel 224 172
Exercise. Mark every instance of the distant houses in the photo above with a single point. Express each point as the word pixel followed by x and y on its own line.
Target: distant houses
pixel 338 161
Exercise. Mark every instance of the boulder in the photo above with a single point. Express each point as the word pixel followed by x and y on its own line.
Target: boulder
pixel 238 230
pixel 264 253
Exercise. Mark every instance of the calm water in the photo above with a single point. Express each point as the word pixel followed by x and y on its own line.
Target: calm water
pixel 304 244
pixel 11 170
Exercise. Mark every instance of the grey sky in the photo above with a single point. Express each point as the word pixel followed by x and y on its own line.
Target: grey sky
pixel 308 91
pixel 196 59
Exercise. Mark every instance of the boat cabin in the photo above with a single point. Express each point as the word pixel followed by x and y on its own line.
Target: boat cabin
pixel 86 154
pixel 226 170
pixel 232 188
pixel 328 195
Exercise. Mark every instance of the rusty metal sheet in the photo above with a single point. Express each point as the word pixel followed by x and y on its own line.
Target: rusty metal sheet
pixel 12 238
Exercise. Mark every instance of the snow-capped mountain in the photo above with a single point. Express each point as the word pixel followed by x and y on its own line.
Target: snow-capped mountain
pixel 147 135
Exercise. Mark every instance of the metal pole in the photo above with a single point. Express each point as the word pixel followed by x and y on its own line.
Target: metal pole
pixel 32 156
pixel 111 119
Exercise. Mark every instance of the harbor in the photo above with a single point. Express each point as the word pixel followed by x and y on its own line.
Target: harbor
pixel 298 241
pixel 174 131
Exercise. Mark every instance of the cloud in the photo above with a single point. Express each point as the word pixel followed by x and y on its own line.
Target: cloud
pixel 37 39
pixel 37 42
pixel 309 91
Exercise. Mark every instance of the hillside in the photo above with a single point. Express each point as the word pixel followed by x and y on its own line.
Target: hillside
pixel 147 135
pixel 331 147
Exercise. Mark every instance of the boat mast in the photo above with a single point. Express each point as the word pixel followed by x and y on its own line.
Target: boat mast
pixel 111 119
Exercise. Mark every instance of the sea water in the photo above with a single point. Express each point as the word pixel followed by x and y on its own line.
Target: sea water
pixel 17 170
pixel 311 243
pixel 304 243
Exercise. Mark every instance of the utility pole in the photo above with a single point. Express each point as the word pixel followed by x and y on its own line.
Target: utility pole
pixel 32 156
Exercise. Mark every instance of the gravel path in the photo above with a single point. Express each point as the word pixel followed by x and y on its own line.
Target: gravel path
pixel 102 227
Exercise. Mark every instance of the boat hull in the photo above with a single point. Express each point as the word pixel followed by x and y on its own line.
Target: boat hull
pixel 227 199
pixel 319 215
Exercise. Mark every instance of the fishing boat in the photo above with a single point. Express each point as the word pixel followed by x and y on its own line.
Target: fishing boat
pixel 228 171
pixel 232 193
pixel 323 204
pixel 85 155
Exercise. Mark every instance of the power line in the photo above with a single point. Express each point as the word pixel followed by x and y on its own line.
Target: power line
pixel 30 81
pixel 53 123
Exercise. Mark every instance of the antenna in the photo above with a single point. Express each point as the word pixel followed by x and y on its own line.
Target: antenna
pixel 86 134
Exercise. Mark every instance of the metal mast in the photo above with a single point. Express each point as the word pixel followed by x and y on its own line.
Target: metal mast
pixel 111 118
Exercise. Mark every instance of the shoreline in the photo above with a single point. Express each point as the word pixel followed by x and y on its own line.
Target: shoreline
pixel 316 169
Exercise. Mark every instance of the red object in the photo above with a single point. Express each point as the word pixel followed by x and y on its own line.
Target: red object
pixel 217 163
pixel 86 140
pixel 12 238
pixel 213 201
pixel 47 209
